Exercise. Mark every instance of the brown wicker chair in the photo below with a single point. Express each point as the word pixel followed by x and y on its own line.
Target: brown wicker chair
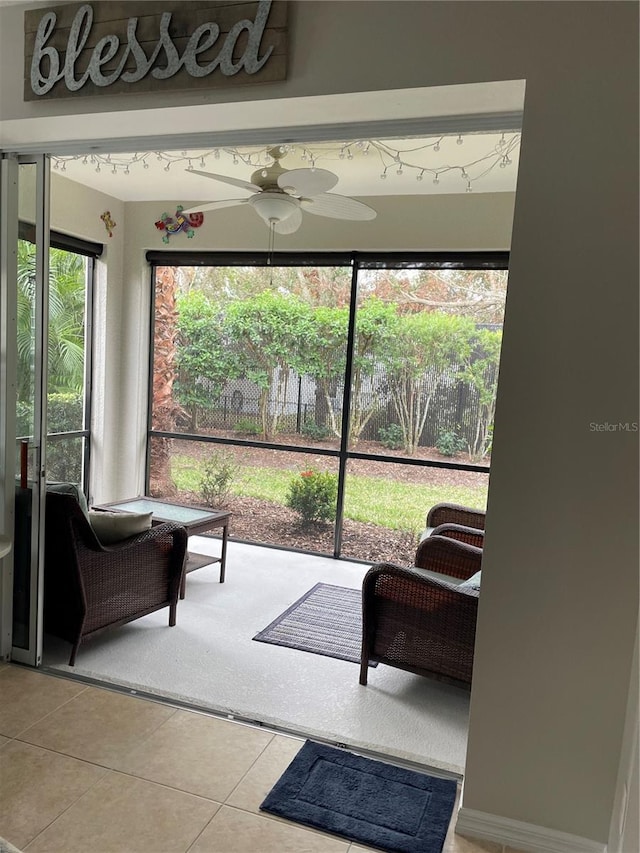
pixel 470 535
pixel 418 618
pixel 445 513
pixel 89 587
pixel 457 522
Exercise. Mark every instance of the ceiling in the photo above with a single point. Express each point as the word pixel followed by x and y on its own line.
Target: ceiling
pixel 155 145
pixel 439 164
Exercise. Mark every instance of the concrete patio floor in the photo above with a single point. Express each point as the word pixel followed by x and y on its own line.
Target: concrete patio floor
pixel 209 661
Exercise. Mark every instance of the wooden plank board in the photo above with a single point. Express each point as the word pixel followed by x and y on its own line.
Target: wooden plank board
pixel 111 19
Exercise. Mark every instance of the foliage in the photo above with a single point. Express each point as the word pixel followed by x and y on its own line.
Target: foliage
pixel 449 443
pixel 324 357
pixel 409 346
pixel 218 475
pixel 391 436
pixel 67 285
pixel 268 334
pixel 203 359
pixel 313 494
pixel 425 346
pixel 478 294
pixel 64 455
pixel 376 330
pixel 481 372
pixel 247 426
pixel 316 286
pixel 315 431
pixel 64 411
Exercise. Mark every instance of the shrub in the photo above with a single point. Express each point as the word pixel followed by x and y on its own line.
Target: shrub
pixel 449 443
pixel 315 431
pixel 313 494
pixel 219 472
pixel 391 436
pixel 247 426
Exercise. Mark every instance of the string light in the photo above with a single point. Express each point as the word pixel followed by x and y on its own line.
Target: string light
pixel 417 158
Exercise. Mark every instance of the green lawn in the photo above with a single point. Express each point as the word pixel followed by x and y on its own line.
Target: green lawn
pixel 398 506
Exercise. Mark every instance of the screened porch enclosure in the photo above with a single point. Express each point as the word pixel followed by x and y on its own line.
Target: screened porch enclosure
pixel 328 401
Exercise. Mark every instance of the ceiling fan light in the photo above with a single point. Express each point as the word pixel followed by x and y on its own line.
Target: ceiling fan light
pixel 273 207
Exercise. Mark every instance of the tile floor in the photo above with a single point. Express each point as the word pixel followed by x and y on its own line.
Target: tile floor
pixel 89 769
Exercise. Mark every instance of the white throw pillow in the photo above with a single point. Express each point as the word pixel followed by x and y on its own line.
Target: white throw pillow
pixel 111 527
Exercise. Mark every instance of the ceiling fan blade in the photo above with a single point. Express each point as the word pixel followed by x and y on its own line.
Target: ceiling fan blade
pixel 225 179
pixel 290 224
pixel 307 182
pixel 337 207
pixel 216 205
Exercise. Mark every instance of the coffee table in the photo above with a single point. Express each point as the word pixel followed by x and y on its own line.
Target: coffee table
pixel 195 519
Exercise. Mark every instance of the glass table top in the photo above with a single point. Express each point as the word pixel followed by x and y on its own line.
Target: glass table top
pixel 168 511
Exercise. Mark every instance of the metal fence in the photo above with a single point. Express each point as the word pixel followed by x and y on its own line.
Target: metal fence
pixel 454 407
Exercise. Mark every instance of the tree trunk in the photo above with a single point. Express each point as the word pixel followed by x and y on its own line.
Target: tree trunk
pixel 164 409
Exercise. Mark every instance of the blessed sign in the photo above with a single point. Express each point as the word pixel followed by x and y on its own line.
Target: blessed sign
pixel 93 48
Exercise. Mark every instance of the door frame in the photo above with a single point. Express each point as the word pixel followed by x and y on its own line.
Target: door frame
pixel 31 653
pixel 8 325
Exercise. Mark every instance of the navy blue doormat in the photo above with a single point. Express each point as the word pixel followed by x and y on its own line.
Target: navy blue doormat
pixel 373 803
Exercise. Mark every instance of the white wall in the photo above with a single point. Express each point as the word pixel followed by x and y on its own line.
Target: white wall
pixel 560 601
pixel 414 223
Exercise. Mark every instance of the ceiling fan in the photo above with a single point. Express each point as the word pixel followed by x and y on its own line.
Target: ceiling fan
pixel 280 196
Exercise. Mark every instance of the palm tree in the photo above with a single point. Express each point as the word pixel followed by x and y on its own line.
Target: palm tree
pixel 67 285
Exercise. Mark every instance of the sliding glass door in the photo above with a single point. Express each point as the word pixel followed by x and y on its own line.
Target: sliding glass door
pixel 25 198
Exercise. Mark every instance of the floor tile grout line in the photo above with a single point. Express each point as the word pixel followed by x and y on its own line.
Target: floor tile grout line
pixel 75 801
pixel 206 826
pixel 253 764
pixel 62 754
pixel 48 714
pixel 286 821
pixel 114 771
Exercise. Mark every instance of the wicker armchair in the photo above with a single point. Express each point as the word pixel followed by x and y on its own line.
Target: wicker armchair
pixel 89 587
pixel 456 522
pixel 471 535
pixel 418 618
pixel 445 513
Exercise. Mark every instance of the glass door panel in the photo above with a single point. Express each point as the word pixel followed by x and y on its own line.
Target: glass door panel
pixel 8 244
pixel 31 284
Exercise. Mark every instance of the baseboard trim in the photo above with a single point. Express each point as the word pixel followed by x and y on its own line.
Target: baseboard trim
pixel 521 835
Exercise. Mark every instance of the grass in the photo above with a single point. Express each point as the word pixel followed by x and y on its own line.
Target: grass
pixel 402 506
pixel 388 503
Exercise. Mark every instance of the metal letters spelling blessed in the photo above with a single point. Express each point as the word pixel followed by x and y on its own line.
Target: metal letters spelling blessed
pixel 165 61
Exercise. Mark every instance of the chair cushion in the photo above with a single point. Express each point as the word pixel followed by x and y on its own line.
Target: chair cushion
pixel 111 527
pixel 473 582
pixel 70 489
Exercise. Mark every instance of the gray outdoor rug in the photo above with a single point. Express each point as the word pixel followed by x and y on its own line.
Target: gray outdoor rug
pixel 327 620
